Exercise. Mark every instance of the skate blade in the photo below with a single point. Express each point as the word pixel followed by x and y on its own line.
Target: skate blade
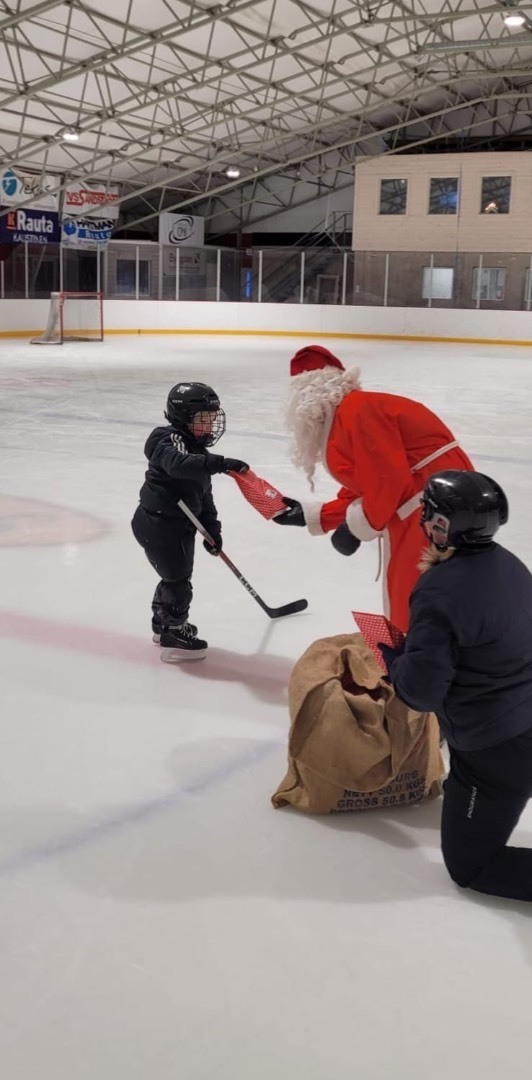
pixel 180 656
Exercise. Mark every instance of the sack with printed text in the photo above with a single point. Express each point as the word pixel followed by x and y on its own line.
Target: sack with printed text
pixel 353 745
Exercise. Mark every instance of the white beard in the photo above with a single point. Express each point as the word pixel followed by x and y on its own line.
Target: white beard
pixel 311 404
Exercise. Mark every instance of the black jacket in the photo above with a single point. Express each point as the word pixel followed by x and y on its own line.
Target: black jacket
pixel 180 469
pixel 468 652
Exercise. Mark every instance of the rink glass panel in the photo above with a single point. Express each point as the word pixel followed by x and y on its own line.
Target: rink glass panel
pixel 322 275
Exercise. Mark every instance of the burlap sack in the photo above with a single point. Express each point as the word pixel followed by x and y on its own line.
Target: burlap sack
pixel 353 745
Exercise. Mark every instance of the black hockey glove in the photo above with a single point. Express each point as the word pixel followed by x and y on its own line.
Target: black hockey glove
pixel 216 463
pixel 343 540
pixel 390 655
pixel 232 464
pixel 293 516
pixel 214 549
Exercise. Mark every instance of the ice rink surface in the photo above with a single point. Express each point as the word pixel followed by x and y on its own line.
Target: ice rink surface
pixel 158 918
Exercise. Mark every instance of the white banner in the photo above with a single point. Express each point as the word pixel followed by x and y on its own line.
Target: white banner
pixel 181 230
pixel 16 187
pixel 86 232
pixel 80 198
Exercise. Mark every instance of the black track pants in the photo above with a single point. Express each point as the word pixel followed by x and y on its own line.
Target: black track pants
pixel 170 549
pixel 485 795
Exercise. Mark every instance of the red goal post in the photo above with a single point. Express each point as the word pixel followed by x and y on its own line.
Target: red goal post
pixel 73 316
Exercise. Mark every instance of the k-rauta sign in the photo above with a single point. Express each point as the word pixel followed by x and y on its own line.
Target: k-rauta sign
pixel 29 226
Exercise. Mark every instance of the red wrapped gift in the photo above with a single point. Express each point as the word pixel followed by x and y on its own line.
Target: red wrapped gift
pixel 375 628
pixel 259 493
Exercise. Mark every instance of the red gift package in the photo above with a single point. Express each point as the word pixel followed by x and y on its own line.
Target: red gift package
pixel 375 628
pixel 259 493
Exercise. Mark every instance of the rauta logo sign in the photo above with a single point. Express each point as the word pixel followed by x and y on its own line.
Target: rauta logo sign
pixel 20 221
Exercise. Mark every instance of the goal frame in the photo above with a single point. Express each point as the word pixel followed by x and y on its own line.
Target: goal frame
pixel 54 333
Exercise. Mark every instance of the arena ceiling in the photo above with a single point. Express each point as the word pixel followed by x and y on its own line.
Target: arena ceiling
pixel 164 95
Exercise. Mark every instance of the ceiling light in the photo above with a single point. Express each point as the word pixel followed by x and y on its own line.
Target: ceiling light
pixel 70 135
pixel 475 45
pixel 515 20
pixel 233 172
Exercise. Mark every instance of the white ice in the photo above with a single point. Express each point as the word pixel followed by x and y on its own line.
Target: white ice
pixel 159 919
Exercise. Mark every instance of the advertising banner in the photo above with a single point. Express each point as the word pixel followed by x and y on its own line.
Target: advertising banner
pixel 29 227
pixel 16 187
pixel 182 230
pixel 80 198
pixel 86 232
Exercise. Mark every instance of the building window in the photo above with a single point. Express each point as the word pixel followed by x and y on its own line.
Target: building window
pixel 393 196
pixel 443 198
pixel 491 283
pixel 496 192
pixel 438 282
pixel 126 273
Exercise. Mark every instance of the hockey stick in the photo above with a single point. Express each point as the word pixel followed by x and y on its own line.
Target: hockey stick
pixel 272 612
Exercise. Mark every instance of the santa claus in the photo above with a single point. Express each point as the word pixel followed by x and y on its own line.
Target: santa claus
pixel 382 449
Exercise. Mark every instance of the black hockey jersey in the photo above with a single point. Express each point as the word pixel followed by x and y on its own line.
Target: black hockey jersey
pixel 468 651
pixel 180 469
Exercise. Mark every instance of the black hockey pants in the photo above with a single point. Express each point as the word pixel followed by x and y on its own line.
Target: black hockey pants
pixel 485 795
pixel 170 549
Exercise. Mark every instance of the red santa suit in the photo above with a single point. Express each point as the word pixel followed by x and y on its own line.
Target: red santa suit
pixel 382 449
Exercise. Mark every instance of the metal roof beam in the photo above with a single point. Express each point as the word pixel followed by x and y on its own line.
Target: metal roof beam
pixel 360 137
pixel 28 14
pixel 101 59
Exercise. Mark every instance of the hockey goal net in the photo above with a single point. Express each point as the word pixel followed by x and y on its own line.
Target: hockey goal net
pixel 73 316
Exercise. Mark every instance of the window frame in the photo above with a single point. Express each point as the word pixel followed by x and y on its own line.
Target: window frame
pixel 427 271
pixel 491 270
pixel 446 212
pixel 404 191
pixel 494 197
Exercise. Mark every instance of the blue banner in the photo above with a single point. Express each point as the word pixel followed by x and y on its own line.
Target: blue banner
pixel 30 227
pixel 84 232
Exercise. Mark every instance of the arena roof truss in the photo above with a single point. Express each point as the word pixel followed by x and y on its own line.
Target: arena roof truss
pixel 164 95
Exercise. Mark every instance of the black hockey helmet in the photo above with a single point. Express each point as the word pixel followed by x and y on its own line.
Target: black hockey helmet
pixel 462 509
pixel 185 401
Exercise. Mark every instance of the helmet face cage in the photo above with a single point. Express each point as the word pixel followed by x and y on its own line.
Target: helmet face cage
pixel 435 525
pixel 206 425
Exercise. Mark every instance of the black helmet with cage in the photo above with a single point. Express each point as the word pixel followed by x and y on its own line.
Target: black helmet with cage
pixel 462 509
pixel 187 400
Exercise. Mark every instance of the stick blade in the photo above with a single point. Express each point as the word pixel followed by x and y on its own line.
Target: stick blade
pixel 288 609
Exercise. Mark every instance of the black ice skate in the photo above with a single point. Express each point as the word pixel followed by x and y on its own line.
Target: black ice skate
pixel 180 643
pixel 157 631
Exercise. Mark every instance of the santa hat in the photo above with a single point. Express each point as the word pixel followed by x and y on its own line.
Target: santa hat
pixel 313 358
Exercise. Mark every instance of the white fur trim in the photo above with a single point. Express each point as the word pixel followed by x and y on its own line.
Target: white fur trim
pixel 357 522
pixel 387 555
pixel 410 506
pixel 312 512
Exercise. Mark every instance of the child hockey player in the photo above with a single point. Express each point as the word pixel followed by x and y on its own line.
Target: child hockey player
pixel 468 658
pixel 180 467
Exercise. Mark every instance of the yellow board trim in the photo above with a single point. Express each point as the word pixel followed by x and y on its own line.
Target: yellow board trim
pixel 308 334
